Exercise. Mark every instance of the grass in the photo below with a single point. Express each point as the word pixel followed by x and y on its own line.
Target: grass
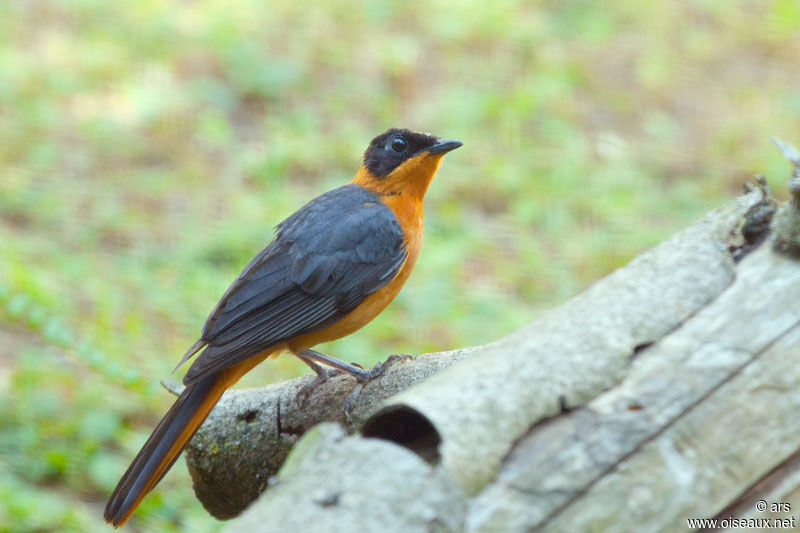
pixel 147 149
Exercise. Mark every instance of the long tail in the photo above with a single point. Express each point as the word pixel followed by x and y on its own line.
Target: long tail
pixel 169 438
pixel 163 447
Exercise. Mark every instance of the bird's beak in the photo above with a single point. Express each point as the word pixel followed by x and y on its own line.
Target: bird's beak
pixel 442 147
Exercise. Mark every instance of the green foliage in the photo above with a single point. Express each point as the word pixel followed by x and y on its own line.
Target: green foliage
pixel 148 148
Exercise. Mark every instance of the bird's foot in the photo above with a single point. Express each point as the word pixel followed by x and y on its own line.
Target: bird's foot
pixel 365 376
pixel 323 375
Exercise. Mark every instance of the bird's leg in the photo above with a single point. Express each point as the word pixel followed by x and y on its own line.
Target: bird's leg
pixel 312 358
pixel 323 374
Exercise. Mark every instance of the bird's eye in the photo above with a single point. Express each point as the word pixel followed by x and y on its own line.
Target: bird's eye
pixel 398 144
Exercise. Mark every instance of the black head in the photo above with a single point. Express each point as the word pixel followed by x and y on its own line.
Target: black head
pixel 392 147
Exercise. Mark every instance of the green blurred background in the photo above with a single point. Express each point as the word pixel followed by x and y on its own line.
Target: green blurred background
pixel 148 148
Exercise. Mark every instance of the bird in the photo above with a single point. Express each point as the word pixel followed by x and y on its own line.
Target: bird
pixel 333 266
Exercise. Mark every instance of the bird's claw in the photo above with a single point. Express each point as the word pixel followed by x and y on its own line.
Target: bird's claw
pixel 380 368
pixel 367 376
pixel 305 392
pixel 362 378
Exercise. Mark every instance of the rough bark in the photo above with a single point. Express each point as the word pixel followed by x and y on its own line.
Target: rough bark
pixel 248 435
pixel 682 435
pixel 639 403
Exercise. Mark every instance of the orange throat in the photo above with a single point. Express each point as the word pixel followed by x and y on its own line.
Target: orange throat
pixel 410 179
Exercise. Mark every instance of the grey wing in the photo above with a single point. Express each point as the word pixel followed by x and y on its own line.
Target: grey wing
pixel 326 259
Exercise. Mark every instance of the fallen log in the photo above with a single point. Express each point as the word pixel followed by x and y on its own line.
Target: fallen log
pixel 664 392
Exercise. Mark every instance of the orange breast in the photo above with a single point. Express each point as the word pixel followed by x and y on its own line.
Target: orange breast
pixel 408 212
